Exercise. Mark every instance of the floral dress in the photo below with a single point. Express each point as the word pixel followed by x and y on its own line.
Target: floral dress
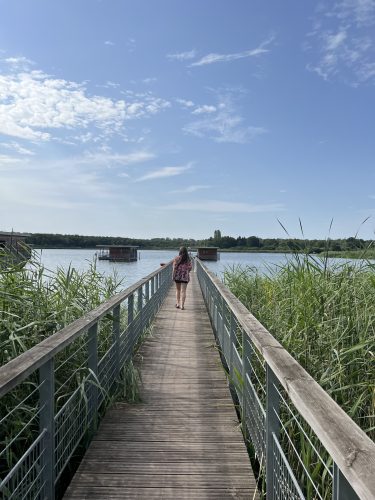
pixel 181 271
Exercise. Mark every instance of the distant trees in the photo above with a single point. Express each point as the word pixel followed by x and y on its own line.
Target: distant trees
pixel 250 243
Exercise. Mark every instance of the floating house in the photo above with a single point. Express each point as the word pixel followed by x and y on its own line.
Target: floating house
pixel 207 253
pixel 13 246
pixel 118 253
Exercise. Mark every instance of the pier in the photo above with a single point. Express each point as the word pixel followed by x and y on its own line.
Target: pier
pixel 215 386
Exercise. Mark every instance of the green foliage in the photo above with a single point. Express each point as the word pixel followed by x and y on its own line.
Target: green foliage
pixel 355 246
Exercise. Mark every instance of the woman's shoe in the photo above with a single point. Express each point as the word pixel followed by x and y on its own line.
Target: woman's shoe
pixel 177 306
pixel 182 308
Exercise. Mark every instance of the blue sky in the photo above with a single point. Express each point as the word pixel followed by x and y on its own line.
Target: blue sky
pixel 172 118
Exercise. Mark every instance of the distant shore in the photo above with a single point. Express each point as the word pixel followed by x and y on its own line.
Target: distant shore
pixel 357 254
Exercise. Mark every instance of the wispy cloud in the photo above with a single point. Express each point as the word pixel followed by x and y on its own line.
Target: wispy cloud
pixel 225 125
pixel 215 58
pixel 165 172
pixel 191 189
pixel 182 56
pixel 109 42
pixel 204 109
pixel 16 147
pixel 131 44
pixel 149 80
pixel 20 62
pixel 217 206
pixel 113 159
pixel 185 103
pixel 342 41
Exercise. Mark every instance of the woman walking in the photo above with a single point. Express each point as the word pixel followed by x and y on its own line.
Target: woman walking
pixel 181 269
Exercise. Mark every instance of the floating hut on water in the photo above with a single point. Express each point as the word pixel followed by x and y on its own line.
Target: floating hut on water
pixel 13 246
pixel 207 253
pixel 118 253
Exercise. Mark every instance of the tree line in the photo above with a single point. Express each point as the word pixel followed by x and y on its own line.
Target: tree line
pixel 241 243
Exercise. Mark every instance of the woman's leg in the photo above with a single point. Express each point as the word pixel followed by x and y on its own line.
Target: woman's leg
pixel 178 293
pixel 183 294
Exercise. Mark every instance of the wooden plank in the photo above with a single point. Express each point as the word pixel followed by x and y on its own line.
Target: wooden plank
pixel 89 492
pixel 183 440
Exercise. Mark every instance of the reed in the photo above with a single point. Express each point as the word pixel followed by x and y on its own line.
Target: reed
pixel 323 313
pixel 34 304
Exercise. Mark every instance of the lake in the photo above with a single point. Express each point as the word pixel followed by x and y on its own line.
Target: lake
pixel 148 261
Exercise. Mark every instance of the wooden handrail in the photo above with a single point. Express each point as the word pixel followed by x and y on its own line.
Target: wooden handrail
pixel 19 368
pixel 351 449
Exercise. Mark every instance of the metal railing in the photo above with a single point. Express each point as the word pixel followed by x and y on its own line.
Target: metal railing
pixel 305 444
pixel 55 392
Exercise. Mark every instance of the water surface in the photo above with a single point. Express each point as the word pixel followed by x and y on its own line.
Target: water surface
pixel 149 261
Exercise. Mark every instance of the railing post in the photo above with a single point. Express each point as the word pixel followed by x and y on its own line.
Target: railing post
pixel 232 340
pixel 272 426
pixel 140 309
pixel 47 425
pixel 92 346
pixel 152 286
pixel 130 329
pixel 341 487
pixel 246 375
pixel 116 339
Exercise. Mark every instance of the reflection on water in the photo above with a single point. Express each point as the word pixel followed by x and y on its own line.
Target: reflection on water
pixel 148 261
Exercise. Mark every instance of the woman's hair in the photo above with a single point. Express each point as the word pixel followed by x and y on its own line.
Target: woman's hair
pixel 184 256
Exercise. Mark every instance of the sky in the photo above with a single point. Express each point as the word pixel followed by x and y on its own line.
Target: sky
pixel 174 118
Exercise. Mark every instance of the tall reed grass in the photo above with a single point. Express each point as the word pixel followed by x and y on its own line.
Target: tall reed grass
pixel 36 302
pixel 323 313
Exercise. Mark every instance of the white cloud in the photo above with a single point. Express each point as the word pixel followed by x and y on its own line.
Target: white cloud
pixel 342 42
pixel 15 146
pixel 165 172
pixel 191 189
pixel 204 109
pixel 36 107
pixel 361 12
pixel 185 103
pixel 19 62
pixel 113 159
pixel 32 102
pixel 149 80
pixel 182 56
pixel 333 42
pixel 108 42
pixel 216 206
pixel 215 58
pixel 225 126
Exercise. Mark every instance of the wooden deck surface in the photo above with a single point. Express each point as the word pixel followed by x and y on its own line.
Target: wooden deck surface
pixel 183 440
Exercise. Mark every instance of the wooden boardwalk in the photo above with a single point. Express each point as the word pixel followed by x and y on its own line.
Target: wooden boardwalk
pixel 183 440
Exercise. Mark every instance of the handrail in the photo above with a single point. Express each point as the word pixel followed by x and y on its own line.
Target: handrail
pixel 351 449
pixel 55 391
pixel 20 367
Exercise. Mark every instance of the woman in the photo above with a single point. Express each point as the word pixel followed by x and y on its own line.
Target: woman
pixel 181 269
